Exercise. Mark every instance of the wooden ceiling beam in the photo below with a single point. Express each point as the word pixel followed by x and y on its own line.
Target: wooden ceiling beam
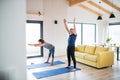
pixel 99 7
pixel 90 10
pixel 76 2
pixel 111 4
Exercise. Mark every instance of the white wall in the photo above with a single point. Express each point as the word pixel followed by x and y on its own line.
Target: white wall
pixel 34 6
pixel 81 15
pixel 12 40
pixel 55 33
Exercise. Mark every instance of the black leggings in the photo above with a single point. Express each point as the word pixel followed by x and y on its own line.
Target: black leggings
pixel 71 54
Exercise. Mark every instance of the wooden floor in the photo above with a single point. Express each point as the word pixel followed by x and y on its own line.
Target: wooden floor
pixel 86 72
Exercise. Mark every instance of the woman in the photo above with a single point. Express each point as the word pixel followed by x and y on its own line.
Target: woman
pixel 49 46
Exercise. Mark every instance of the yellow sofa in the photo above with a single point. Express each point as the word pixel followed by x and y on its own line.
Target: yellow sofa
pixel 95 56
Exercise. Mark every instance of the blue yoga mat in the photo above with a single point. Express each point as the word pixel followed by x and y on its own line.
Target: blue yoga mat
pixel 54 72
pixel 40 65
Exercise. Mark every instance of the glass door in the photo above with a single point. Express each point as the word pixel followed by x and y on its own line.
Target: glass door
pixel 34 31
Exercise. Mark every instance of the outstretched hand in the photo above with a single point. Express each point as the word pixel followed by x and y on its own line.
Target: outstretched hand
pixel 30 44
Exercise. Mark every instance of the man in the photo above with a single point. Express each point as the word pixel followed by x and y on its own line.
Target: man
pixel 71 44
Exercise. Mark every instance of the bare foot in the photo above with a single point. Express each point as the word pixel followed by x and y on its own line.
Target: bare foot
pixel 73 70
pixel 51 64
pixel 67 67
pixel 32 63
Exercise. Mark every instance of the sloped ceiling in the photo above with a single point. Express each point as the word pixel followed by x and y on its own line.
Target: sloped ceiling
pixel 97 7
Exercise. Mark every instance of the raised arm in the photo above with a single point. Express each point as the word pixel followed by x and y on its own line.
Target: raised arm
pixel 74 26
pixel 66 27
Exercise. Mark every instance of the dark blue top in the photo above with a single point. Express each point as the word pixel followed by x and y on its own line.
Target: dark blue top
pixel 71 40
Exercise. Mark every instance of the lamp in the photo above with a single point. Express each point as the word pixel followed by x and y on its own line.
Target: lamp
pixel 112 15
pixel 99 18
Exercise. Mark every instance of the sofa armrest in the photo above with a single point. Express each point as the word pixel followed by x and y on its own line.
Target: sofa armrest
pixel 76 48
pixel 105 58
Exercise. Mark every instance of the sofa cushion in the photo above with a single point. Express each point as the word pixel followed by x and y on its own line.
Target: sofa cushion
pixel 92 58
pixel 100 49
pixel 90 49
pixel 80 48
pixel 79 54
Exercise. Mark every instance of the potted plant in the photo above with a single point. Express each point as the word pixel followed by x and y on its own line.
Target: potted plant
pixel 108 40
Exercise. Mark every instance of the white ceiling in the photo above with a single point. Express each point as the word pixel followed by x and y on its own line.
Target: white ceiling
pixel 90 4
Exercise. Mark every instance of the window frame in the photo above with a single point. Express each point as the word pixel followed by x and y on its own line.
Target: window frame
pixel 82 30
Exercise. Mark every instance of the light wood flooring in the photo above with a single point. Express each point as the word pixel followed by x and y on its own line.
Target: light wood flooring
pixel 86 72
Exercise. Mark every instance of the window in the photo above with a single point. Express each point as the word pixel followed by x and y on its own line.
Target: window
pixel 86 33
pixel 34 31
pixel 89 34
pixel 114 33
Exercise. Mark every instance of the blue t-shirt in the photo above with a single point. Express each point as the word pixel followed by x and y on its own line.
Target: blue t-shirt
pixel 71 40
